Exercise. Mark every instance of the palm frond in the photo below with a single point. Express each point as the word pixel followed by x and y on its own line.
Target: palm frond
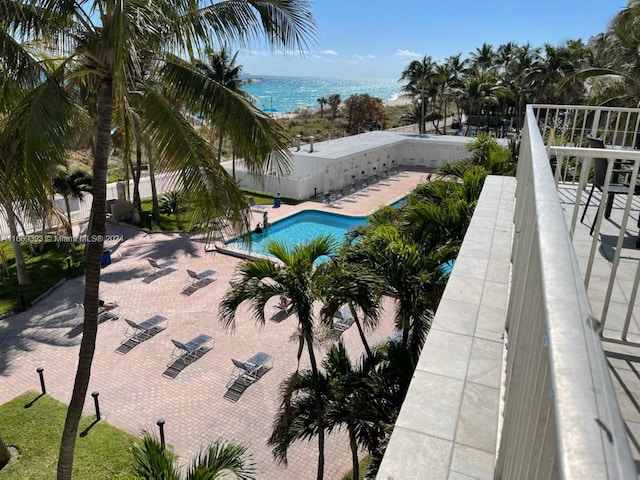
pixel 222 459
pixel 151 461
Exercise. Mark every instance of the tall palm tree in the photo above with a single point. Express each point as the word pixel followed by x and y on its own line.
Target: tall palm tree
pixel 420 76
pixel 72 185
pixel 322 101
pixel 334 101
pixel 483 59
pixel 354 286
pixel 107 43
pixel 348 393
pixel 152 461
pixel 220 67
pixel 294 277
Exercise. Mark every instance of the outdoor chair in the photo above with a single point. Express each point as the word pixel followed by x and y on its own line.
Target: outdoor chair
pixel 253 206
pixel 146 329
pixel 161 267
pixel 342 321
pixel 599 176
pixel 189 351
pixel 108 311
pixel 250 370
pixel 198 277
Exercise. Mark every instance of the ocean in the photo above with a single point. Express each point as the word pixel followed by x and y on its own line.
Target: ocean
pixel 280 94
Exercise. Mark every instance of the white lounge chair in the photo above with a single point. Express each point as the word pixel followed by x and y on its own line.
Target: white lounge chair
pixel 250 370
pixel 253 206
pixel 189 351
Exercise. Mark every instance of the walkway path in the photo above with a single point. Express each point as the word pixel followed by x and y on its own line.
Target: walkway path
pixel 133 391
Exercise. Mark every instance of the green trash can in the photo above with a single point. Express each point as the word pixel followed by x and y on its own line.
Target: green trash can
pixel 106 258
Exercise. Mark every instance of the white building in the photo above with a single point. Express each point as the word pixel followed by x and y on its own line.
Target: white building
pixel 319 167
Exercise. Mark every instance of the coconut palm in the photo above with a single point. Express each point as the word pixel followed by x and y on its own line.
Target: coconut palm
pixel 220 460
pixel 322 101
pixel 483 59
pixel 108 43
pixel 334 101
pixel 72 185
pixel 220 67
pixel 420 76
pixel 34 113
pixel 294 277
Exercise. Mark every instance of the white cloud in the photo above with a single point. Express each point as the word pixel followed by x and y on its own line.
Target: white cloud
pixel 371 56
pixel 403 52
pixel 329 52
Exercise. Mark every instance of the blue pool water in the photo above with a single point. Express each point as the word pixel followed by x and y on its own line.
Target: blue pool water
pixel 300 228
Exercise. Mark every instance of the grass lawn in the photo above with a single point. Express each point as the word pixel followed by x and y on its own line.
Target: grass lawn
pixel 46 269
pixel 103 453
pixel 364 464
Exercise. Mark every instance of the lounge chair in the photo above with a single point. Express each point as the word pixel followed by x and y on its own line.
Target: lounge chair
pixel 250 370
pixel 253 206
pixel 197 277
pixel 188 352
pixel 146 329
pixel 110 311
pixel 331 201
pixel 341 323
pixel 161 267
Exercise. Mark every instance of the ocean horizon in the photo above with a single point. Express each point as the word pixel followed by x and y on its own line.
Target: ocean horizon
pixel 282 94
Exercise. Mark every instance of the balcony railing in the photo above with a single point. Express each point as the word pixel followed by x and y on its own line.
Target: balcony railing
pixel 561 417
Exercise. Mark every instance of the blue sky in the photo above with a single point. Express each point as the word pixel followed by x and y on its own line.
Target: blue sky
pixel 378 38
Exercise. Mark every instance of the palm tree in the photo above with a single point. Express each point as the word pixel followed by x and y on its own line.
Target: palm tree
pixel 483 59
pixel 220 68
pixel 295 278
pixel 322 101
pixel 341 283
pixel 220 460
pixel 107 43
pixel 72 185
pixel 420 77
pixel 349 394
pixel 334 102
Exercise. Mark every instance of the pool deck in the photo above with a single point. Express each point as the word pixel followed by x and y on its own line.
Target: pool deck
pixel 134 393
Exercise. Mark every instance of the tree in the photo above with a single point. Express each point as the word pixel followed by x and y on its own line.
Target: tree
pixel 72 185
pixel 220 460
pixel 322 101
pixel 348 393
pixel 420 77
pixel 220 67
pixel 365 112
pixel 5 453
pixel 295 277
pixel 107 43
pixel 334 102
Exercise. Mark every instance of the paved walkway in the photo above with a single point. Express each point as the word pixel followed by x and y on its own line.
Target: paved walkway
pixel 133 391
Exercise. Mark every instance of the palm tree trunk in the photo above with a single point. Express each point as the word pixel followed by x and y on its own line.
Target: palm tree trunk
pixel 95 244
pixel 354 454
pixel 24 278
pixel 5 453
pixel 155 208
pixel 361 332
pixel 220 140
pixel 68 207
pixel 319 409
pixel 137 172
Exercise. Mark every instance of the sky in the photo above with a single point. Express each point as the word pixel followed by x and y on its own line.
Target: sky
pixel 379 38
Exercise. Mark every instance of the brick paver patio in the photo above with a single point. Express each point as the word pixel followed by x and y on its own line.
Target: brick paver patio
pixel 133 391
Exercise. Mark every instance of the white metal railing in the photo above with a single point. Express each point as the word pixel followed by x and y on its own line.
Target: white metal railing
pixel 561 417
pixel 618 127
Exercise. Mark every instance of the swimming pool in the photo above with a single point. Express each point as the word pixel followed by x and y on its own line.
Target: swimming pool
pixel 299 228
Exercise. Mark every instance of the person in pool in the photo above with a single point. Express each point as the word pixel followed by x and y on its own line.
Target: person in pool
pixel 259 229
pixel 265 220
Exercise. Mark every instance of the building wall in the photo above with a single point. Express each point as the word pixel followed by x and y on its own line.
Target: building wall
pixel 313 174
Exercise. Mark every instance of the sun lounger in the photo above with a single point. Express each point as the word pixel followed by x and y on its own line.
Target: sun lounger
pixel 253 206
pixel 108 311
pixel 162 266
pixel 189 351
pixel 250 370
pixel 197 277
pixel 145 329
